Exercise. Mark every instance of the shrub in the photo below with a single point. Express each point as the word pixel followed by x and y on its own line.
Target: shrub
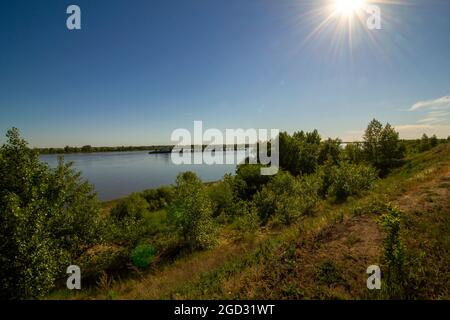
pixel 287 197
pixel 143 255
pixel 348 179
pixel 191 212
pixel 159 198
pixel 47 218
pixel 125 224
pixel 131 207
pixel 103 259
pixel 222 195
pixel 393 254
pixel 248 180
pixel 328 273
pixel 247 220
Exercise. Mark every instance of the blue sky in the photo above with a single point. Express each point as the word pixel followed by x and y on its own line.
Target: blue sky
pixel 139 69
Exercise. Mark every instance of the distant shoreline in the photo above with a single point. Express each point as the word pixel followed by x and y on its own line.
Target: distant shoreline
pixel 159 149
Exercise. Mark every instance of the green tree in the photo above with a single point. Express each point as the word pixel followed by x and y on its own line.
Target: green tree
pixel 223 196
pixel 299 153
pixel 191 212
pixel 47 218
pixel 87 149
pixel 249 180
pixel 330 150
pixel 424 144
pixel 382 146
pixel 434 141
pixel 353 152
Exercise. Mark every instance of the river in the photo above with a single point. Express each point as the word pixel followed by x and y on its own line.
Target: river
pixel 117 174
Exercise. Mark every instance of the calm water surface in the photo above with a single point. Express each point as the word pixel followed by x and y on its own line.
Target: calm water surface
pixel 117 174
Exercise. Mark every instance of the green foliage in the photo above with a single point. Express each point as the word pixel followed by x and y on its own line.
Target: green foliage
pixel 125 223
pixel 299 153
pixel 191 212
pixel 223 196
pixel 47 218
pixel 103 259
pixel 394 253
pixel 287 197
pixel 346 180
pixel 382 147
pixel 247 219
pixel 131 207
pixel 159 198
pixel 248 180
pixel 353 153
pixel 330 151
pixel 424 143
pixel 143 255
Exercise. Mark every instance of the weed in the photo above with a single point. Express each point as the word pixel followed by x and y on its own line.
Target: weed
pixel 328 273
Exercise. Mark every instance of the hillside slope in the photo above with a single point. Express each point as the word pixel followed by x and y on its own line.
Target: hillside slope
pixel 324 256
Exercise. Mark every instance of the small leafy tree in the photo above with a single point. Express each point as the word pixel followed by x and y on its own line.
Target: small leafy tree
pixel 47 218
pixel 191 212
pixel 382 146
pixel 434 141
pixel 394 253
pixel 330 150
pixel 353 153
pixel 299 153
pixel 424 143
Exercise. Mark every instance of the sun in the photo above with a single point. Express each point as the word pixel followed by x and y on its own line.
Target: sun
pixel 347 7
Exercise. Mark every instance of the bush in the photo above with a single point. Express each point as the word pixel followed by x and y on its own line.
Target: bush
pixel 394 254
pixel 348 179
pixel 287 197
pixel 131 207
pixel 191 212
pixel 247 220
pixel 143 255
pixel 159 198
pixel 100 259
pixel 125 224
pixel 47 218
pixel 328 273
pixel 223 197
pixel 248 180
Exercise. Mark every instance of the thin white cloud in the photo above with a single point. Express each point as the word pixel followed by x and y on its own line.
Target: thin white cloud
pixel 414 131
pixel 443 102
pixel 431 120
